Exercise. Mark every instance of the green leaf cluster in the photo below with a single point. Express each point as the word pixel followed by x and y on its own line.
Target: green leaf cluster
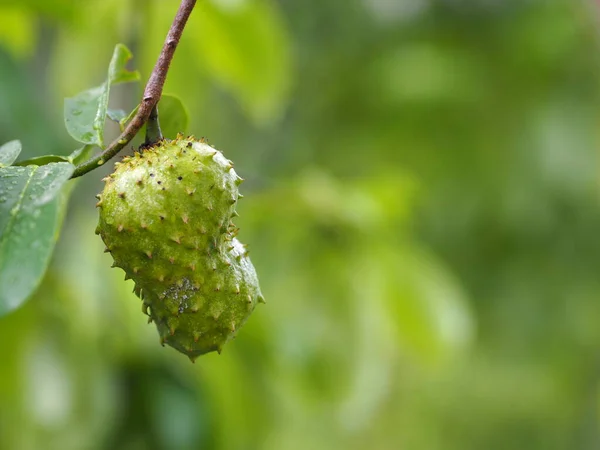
pixel 34 192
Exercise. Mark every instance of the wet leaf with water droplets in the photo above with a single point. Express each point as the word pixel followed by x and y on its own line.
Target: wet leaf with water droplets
pixel 31 212
pixel 9 152
pixel 85 113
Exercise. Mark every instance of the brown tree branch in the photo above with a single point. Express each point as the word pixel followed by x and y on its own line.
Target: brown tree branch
pixel 152 92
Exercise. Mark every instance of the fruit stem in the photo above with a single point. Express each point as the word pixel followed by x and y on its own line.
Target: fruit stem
pixel 153 133
pixel 152 92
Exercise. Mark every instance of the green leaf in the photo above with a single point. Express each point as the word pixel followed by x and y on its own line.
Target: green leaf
pixel 246 49
pixel 116 115
pixel 80 115
pixel 77 157
pixel 81 155
pixel 117 73
pixel 9 152
pixel 30 218
pixel 42 160
pixel 85 113
pixel 127 119
pixel 172 115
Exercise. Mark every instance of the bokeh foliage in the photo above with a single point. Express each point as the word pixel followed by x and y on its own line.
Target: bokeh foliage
pixel 421 206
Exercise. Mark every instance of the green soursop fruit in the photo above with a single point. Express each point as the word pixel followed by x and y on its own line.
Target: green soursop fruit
pixel 165 217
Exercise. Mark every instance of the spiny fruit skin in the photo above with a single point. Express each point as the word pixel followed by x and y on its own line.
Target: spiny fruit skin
pixel 165 217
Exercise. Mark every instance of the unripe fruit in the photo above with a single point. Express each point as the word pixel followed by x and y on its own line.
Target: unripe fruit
pixel 165 217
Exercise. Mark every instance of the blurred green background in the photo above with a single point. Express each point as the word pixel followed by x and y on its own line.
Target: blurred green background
pixel 422 207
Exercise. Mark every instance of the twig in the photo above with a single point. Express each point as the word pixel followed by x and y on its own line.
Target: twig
pixel 152 92
pixel 153 133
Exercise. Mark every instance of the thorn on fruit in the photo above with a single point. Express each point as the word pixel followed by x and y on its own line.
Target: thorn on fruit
pixel 149 254
pixel 185 218
pixel 172 260
pixel 120 227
